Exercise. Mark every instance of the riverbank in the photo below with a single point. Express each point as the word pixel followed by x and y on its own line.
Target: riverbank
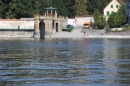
pixel 76 33
pixel 107 36
pixel 16 34
pixel 91 33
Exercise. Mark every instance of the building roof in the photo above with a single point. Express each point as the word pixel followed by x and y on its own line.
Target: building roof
pixel 88 16
pixel 50 8
pixel 119 1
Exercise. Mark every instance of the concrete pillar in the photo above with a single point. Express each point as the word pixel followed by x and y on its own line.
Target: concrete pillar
pixel 47 13
pixel 51 13
pixel 51 28
pixel 47 26
pixel 54 29
pixel 55 14
pixel 59 26
pixel 36 28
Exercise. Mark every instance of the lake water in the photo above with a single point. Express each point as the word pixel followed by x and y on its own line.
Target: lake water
pixel 64 62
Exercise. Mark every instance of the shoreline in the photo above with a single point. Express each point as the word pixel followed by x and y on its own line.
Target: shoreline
pixel 100 36
pixel 90 36
pixel 76 33
pixel 107 37
pixel 111 36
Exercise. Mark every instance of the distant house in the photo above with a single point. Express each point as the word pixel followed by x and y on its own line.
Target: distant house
pixel 113 6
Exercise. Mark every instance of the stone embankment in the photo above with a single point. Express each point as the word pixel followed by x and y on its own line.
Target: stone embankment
pixel 91 33
pixel 15 34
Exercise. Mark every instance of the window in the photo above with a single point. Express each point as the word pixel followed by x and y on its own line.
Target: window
pixel 116 6
pixel 108 13
pixel 111 6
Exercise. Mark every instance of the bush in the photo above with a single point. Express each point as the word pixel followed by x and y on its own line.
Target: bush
pixel 115 20
pixel 118 19
pixel 100 24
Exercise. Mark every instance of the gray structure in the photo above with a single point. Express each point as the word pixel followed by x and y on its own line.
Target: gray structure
pixel 48 24
pixel 128 11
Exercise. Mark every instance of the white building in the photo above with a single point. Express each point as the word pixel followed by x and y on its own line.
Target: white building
pixel 79 20
pixel 113 6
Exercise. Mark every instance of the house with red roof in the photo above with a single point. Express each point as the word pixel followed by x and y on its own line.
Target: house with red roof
pixel 112 7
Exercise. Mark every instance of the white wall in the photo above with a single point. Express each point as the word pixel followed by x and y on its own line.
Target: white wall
pixel 80 20
pixel 77 22
pixel 71 22
pixel 15 24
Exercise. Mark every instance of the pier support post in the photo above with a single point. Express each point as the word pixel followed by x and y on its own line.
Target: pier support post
pixel 36 28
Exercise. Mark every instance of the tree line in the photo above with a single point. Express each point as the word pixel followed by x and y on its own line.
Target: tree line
pixel 70 8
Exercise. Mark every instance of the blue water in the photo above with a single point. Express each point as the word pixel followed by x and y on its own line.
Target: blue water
pixel 64 62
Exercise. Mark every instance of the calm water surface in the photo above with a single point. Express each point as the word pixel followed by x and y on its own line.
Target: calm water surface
pixel 65 62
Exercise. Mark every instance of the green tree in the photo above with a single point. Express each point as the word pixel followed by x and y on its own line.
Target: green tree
pixel 118 19
pixel 1 9
pixel 114 20
pixel 122 12
pixel 99 22
pixel 69 4
pixel 43 4
pixel 20 8
pixel 62 10
pixel 96 4
pixel 26 8
pixel 9 14
pixel 80 7
pixel 96 15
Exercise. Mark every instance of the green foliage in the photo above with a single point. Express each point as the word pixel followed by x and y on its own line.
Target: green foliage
pixel 1 8
pixel 114 20
pixel 9 14
pixel 126 27
pixel 80 7
pixel 62 10
pixel 69 4
pixel 70 8
pixel 118 19
pixel 96 4
pixel 27 8
pixel 96 16
pixel 122 12
pixel 100 24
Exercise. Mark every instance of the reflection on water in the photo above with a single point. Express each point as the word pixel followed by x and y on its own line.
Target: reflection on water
pixel 65 62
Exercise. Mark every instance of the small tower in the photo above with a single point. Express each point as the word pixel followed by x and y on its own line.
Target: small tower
pixel 51 12
pixel 48 24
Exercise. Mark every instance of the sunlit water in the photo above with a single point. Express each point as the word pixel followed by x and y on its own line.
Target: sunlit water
pixel 65 62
